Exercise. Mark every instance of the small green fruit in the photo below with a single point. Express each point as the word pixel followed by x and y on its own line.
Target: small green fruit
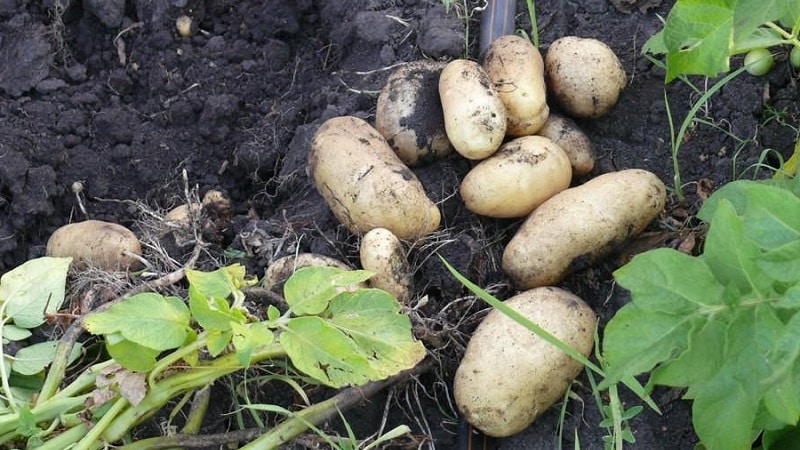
pixel 759 61
pixel 794 57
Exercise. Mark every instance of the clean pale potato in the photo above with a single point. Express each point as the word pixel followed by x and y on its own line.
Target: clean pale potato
pixel 364 182
pixel 567 135
pixel 578 226
pixel 508 375
pixel 521 175
pixel 409 114
pixel 474 116
pixel 104 245
pixel 383 254
pixel 516 69
pixel 584 76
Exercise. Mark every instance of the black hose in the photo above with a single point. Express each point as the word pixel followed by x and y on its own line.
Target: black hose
pixel 496 20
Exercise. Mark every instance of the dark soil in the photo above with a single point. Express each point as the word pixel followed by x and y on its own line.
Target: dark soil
pixel 108 95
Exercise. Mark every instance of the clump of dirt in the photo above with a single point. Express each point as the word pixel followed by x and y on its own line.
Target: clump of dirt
pixel 108 94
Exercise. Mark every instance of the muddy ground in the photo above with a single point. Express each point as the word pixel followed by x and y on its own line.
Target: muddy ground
pixel 108 95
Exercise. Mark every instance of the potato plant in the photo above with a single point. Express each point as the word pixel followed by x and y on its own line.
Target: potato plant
pixel 332 337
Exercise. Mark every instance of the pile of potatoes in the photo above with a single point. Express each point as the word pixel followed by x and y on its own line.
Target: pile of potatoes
pixel 497 114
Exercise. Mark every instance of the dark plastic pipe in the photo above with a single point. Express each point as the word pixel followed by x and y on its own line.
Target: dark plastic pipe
pixel 496 20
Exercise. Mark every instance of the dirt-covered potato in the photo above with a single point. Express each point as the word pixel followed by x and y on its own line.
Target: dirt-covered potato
pixel 105 245
pixel 364 182
pixel 281 269
pixel 521 175
pixel 409 114
pixel 580 225
pixel 509 376
pixel 516 69
pixel 474 116
pixel 383 254
pixel 584 76
pixel 567 135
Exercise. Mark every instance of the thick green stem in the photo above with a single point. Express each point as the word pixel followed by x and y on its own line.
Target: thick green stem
pixel 92 439
pixel 174 357
pixel 65 439
pixel 43 413
pixel 86 380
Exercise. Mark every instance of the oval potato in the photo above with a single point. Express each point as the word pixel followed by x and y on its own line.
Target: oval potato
pixel 474 116
pixel 580 225
pixel 519 177
pixel 584 76
pixel 104 245
pixel 382 253
pixel 567 135
pixel 365 184
pixel 409 114
pixel 508 375
pixel 516 69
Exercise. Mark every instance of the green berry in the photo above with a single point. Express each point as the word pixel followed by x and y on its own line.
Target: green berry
pixel 794 57
pixel 759 61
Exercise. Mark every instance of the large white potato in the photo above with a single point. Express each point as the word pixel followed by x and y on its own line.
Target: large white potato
pixel 474 116
pixel 516 69
pixel 409 114
pixel 365 184
pixel 104 245
pixel 521 175
pixel 584 76
pixel 580 225
pixel 509 376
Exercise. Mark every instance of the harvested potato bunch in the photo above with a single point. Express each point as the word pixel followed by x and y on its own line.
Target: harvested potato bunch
pixel 409 114
pixel 107 246
pixel 584 76
pixel 519 177
pixel 516 69
pixel 565 133
pixel 508 375
pixel 364 182
pixel 383 254
pixel 474 116
pixel 580 225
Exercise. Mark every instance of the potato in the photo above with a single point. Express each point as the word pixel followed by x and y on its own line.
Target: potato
pixel 580 225
pixel 409 114
pixel 565 133
pixel 516 69
pixel 474 116
pixel 584 76
pixel 365 184
pixel 519 177
pixel 508 375
pixel 383 254
pixel 104 245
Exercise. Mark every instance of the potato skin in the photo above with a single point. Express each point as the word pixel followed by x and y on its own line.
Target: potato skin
pixel 580 225
pixel 409 114
pixel 516 69
pixel 474 116
pixel 364 182
pixel 584 76
pixel 96 243
pixel 567 135
pixel 383 254
pixel 509 376
pixel 521 175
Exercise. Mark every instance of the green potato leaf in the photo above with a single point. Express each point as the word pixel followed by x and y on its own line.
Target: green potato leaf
pixel 249 337
pixel 130 355
pixel 35 358
pixel 213 313
pixel 34 289
pixel 310 289
pixel 149 320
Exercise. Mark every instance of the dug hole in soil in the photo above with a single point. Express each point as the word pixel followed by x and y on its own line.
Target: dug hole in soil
pixel 107 94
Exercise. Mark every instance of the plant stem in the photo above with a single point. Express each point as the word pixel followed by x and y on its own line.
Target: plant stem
pixel 66 438
pixel 534 27
pixel 44 412
pixel 92 439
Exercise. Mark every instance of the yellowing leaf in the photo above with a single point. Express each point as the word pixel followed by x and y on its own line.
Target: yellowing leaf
pixel 34 289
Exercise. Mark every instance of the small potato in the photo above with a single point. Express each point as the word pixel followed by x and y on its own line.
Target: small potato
pixel 519 177
pixel 584 76
pixel 474 116
pixel 409 114
pixel 508 375
pixel 382 253
pixel 107 246
pixel 365 184
pixel 580 225
pixel 565 133
pixel 516 69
